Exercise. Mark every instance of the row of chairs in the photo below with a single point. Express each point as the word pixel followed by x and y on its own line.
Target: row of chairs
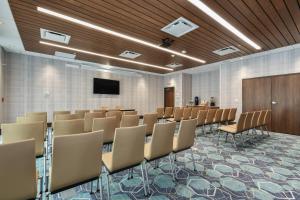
pixel 248 122
pixel 83 161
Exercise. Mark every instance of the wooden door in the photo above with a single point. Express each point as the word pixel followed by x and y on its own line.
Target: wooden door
pixel 169 97
pixel 286 104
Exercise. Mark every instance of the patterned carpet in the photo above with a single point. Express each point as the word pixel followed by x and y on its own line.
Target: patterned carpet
pixel 270 169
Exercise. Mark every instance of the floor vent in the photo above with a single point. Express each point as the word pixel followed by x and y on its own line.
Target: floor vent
pixel 55 36
pixel 174 65
pixel 179 27
pixel 65 55
pixel 130 54
pixel 226 50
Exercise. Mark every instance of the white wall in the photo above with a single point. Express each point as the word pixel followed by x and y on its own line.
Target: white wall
pixel 175 80
pixel 44 84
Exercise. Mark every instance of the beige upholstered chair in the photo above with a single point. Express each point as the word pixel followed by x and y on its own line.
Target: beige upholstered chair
pixel 248 121
pixel 130 113
pixel 108 125
pixel 231 116
pixel 267 121
pixel 168 112
pixel 127 152
pixel 129 120
pixel 160 113
pixel 254 121
pixel 104 108
pixel 89 118
pixel 115 113
pixel 185 138
pixel 149 120
pixel 67 117
pixel 45 120
pixel 118 107
pixel 261 118
pixel 201 119
pixel 60 113
pixel 218 116
pixel 15 132
pixel 81 113
pixel 76 159
pixel 210 118
pixel 194 112
pixel 178 113
pixel 186 113
pixel 18 171
pixel 34 118
pixel 225 115
pixel 97 111
pixel 68 127
pixel 234 129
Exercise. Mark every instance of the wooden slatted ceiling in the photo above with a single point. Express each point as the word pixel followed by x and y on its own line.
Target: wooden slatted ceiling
pixel 269 23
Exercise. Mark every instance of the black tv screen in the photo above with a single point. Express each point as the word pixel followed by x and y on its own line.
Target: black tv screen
pixel 106 86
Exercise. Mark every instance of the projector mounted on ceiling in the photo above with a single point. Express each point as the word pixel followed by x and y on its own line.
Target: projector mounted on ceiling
pixel 167 42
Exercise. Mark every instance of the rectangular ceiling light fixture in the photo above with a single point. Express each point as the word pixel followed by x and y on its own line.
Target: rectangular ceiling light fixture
pixel 103 55
pixel 114 33
pixel 199 4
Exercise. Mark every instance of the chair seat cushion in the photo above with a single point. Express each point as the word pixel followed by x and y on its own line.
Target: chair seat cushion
pixel 229 128
pixel 175 143
pixel 107 160
pixel 147 151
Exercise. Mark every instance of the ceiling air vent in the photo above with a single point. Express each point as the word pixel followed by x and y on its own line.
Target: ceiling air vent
pixel 226 50
pixel 130 54
pixel 179 27
pixel 65 55
pixel 55 36
pixel 174 65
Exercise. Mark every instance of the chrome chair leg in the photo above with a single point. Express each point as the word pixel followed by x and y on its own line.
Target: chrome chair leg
pixel 108 186
pixel 172 169
pixel 91 192
pixel 233 140
pixel 143 176
pixel 193 159
pixel 218 143
pixel 147 178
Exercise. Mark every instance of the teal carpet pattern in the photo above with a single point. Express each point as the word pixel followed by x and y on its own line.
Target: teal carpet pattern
pixel 269 169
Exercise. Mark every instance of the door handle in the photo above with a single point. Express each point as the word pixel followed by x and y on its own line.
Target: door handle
pixel 274 102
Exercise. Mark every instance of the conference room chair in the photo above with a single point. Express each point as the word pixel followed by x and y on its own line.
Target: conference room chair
pixel 254 121
pixel 115 113
pixel 118 107
pixel 210 118
pixel 127 152
pixel 89 118
pixel 34 118
pixel 225 115
pixel 201 119
pixel 97 111
pixel 168 112
pixel 19 178
pixel 261 120
pixel 104 108
pixel 67 117
pixel 76 159
pixel 108 125
pixel 59 113
pixel 38 114
pixel 160 113
pixel 130 113
pixel 184 139
pixel 160 145
pixel 231 116
pixel 68 127
pixel 81 113
pixel 149 120
pixel 129 120
pixel 218 116
pixel 178 114
pixel 194 112
pixel 267 121
pixel 186 113
pixel 248 124
pixel 233 129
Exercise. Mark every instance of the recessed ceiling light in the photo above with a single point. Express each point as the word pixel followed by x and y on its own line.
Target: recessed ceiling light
pixel 183 51
pixel 103 55
pixel 114 33
pixel 199 4
pixel 172 55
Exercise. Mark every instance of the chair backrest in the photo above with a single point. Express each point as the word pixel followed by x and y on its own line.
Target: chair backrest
pixel 267 119
pixel 210 116
pixel 261 117
pixel 232 113
pixel 88 120
pixel 129 120
pixel 149 120
pixel 118 107
pixel 81 113
pixel 128 147
pixel 186 113
pixel 59 113
pixel 201 117
pixel 168 112
pixel 18 171
pixel 115 113
pixel 108 125
pixel 162 139
pixel 97 111
pixel 160 112
pixel 130 112
pixel 34 118
pixel 248 120
pixel 15 132
pixel 241 122
pixel 255 119
pixel 178 113
pixel 104 108
pixel 75 159
pixel 68 127
pixel 186 134
pixel 67 117
pixel 225 115
pixel 38 113
pixel 194 112
pixel 218 116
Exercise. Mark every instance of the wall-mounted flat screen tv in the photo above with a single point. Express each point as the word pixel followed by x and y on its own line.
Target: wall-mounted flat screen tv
pixel 106 86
